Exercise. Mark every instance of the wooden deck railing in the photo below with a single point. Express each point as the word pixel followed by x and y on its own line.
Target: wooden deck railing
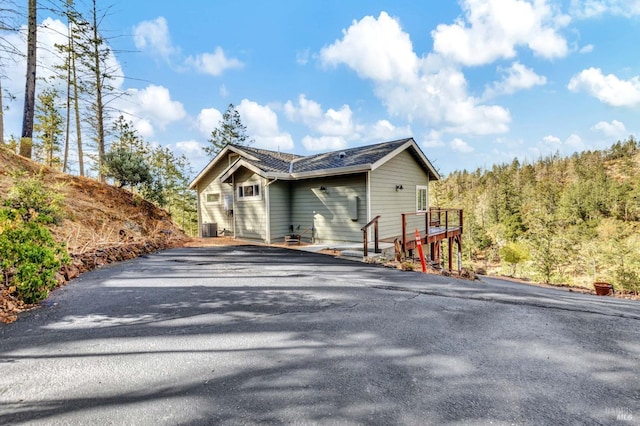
pixel 365 236
pixel 436 220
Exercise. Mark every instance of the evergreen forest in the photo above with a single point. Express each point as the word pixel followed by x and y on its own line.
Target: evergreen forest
pixel 560 220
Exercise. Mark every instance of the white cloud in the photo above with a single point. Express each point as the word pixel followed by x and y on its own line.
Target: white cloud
pixel 553 143
pixel 331 122
pixel 607 88
pixel 427 89
pixel 551 140
pixel 459 145
pixel 154 36
pixel 155 103
pixel 50 32
pixel 190 147
pixel 385 130
pixel 143 126
pixel 614 129
pixel 307 111
pixel 493 29
pixel 433 139
pixel 262 126
pixel 517 77
pixel 207 120
pixel 302 56
pixel 586 48
pixel 324 143
pixel 213 63
pixel 595 8
pixel 194 151
pixel 574 141
pixel 377 49
pixel 149 108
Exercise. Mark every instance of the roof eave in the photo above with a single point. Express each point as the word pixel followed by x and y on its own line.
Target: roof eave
pixel 332 172
pixel 194 183
pixel 229 171
pixel 411 143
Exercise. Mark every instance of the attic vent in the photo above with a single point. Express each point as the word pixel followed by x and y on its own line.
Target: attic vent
pixel 342 154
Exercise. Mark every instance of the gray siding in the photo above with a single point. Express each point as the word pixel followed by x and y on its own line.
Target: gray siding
pixel 215 212
pixel 279 210
pixel 389 203
pixel 332 219
pixel 250 215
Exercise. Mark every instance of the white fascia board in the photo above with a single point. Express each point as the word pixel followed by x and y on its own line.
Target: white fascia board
pixel 209 166
pixel 410 143
pixel 215 161
pixel 278 175
pixel 332 172
pixel 241 163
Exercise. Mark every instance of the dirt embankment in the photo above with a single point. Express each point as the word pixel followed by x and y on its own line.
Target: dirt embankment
pixel 101 224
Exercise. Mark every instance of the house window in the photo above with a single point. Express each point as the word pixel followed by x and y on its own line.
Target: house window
pixel 249 192
pixel 421 198
pixel 213 198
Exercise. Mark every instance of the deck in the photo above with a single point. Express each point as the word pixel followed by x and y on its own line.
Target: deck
pixel 439 225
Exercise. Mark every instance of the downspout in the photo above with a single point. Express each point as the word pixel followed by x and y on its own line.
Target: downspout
pixel 268 210
pixel 233 216
pixel 368 196
pixel 199 211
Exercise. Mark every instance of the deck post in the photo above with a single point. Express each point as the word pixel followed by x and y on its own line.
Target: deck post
pixel 365 237
pixel 450 248
pixel 404 234
pixel 376 248
pixel 446 223
pixel 426 224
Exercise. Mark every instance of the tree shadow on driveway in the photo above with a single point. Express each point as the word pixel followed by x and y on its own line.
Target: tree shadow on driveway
pixel 248 335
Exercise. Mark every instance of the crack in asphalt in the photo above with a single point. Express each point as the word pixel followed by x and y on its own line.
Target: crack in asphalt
pixel 509 302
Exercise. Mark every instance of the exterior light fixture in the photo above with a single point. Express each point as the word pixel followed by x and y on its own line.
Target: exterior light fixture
pixel 399 188
pixel 323 188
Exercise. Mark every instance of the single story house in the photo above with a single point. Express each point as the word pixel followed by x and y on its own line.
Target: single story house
pixel 265 195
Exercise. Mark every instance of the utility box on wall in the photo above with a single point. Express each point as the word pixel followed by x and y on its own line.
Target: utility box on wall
pixel 209 230
pixel 353 207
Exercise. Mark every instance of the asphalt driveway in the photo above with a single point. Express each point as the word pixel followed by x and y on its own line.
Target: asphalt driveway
pixel 245 334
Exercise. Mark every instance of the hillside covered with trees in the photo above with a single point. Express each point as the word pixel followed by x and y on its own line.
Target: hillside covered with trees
pixel 558 220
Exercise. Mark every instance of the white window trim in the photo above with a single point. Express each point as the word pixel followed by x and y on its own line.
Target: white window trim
pixel 212 202
pixel 252 197
pixel 418 189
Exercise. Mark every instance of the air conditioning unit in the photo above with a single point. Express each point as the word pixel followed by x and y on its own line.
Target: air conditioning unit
pixel 209 230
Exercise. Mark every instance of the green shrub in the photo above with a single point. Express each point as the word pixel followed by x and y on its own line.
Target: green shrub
pixel 628 280
pixel 33 202
pixel 29 256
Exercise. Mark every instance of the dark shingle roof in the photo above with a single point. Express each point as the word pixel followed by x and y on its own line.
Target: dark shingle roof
pixel 359 156
pixel 292 166
pixel 269 161
pixel 272 161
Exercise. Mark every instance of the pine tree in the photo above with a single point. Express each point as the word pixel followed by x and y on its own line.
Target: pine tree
pixel 230 130
pixel 48 127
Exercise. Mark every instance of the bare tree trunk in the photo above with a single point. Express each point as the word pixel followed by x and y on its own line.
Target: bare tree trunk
pixel 30 85
pixel 1 116
pixel 76 107
pixel 68 111
pixel 99 105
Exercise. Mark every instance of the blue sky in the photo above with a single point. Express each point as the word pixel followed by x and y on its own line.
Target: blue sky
pixel 474 82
